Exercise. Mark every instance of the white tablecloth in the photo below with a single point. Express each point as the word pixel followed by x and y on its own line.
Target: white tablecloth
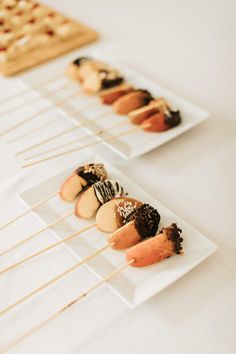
pixel 189 47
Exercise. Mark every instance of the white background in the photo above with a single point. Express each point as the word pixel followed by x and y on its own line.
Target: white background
pixel 189 47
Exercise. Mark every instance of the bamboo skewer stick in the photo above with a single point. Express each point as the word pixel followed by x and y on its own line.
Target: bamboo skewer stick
pixel 55 244
pixel 96 133
pixel 44 200
pixel 46 140
pixel 30 89
pixel 110 138
pixel 31 131
pixel 67 306
pixel 37 233
pixel 84 123
pixel 33 100
pixel 35 115
pixel 53 280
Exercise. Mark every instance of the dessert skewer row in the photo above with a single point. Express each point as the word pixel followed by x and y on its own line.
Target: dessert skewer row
pixel 153 115
pixel 87 204
pixel 81 178
pixel 112 83
pixel 146 253
pixel 134 220
pixel 111 79
pixel 101 116
pixel 108 78
pixel 107 220
pixel 85 122
pixel 123 98
pixel 152 124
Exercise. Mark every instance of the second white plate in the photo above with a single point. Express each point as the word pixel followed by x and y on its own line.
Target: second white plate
pixel 133 285
pixel 139 142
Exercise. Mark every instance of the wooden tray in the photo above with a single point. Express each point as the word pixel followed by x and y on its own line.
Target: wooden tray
pixel 81 35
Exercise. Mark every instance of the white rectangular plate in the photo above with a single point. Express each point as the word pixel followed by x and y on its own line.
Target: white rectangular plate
pixel 138 143
pixel 133 285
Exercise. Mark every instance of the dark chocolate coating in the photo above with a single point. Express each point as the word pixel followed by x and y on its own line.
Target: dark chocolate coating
pixel 110 79
pixel 109 83
pixel 147 97
pixel 89 177
pixel 80 60
pixel 146 220
pixel 173 234
pixel 173 119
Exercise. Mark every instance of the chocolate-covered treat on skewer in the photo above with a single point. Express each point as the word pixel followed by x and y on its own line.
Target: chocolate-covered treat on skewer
pixel 113 214
pixel 102 79
pixel 166 244
pixel 160 122
pixel 98 194
pixel 82 177
pixel 74 67
pixel 141 223
pixel 139 115
pixel 109 96
pixel 94 75
pixel 131 101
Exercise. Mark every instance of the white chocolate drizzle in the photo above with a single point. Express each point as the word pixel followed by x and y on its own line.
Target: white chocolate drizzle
pixel 107 190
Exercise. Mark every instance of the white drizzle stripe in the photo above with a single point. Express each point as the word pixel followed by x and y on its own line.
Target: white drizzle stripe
pixel 107 190
pixel 124 208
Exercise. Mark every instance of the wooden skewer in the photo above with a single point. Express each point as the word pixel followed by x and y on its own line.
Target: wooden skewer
pixel 96 133
pixel 105 114
pixel 35 115
pixel 44 200
pixel 55 244
pixel 46 140
pixel 37 233
pixel 31 89
pixel 67 306
pixel 82 147
pixel 31 132
pixel 53 280
pixel 33 100
pixel 83 124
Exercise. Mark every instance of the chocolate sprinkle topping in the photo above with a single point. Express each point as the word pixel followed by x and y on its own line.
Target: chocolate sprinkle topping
pixel 80 61
pixel 146 220
pixel 124 208
pixel 92 173
pixel 173 234
pixel 173 118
